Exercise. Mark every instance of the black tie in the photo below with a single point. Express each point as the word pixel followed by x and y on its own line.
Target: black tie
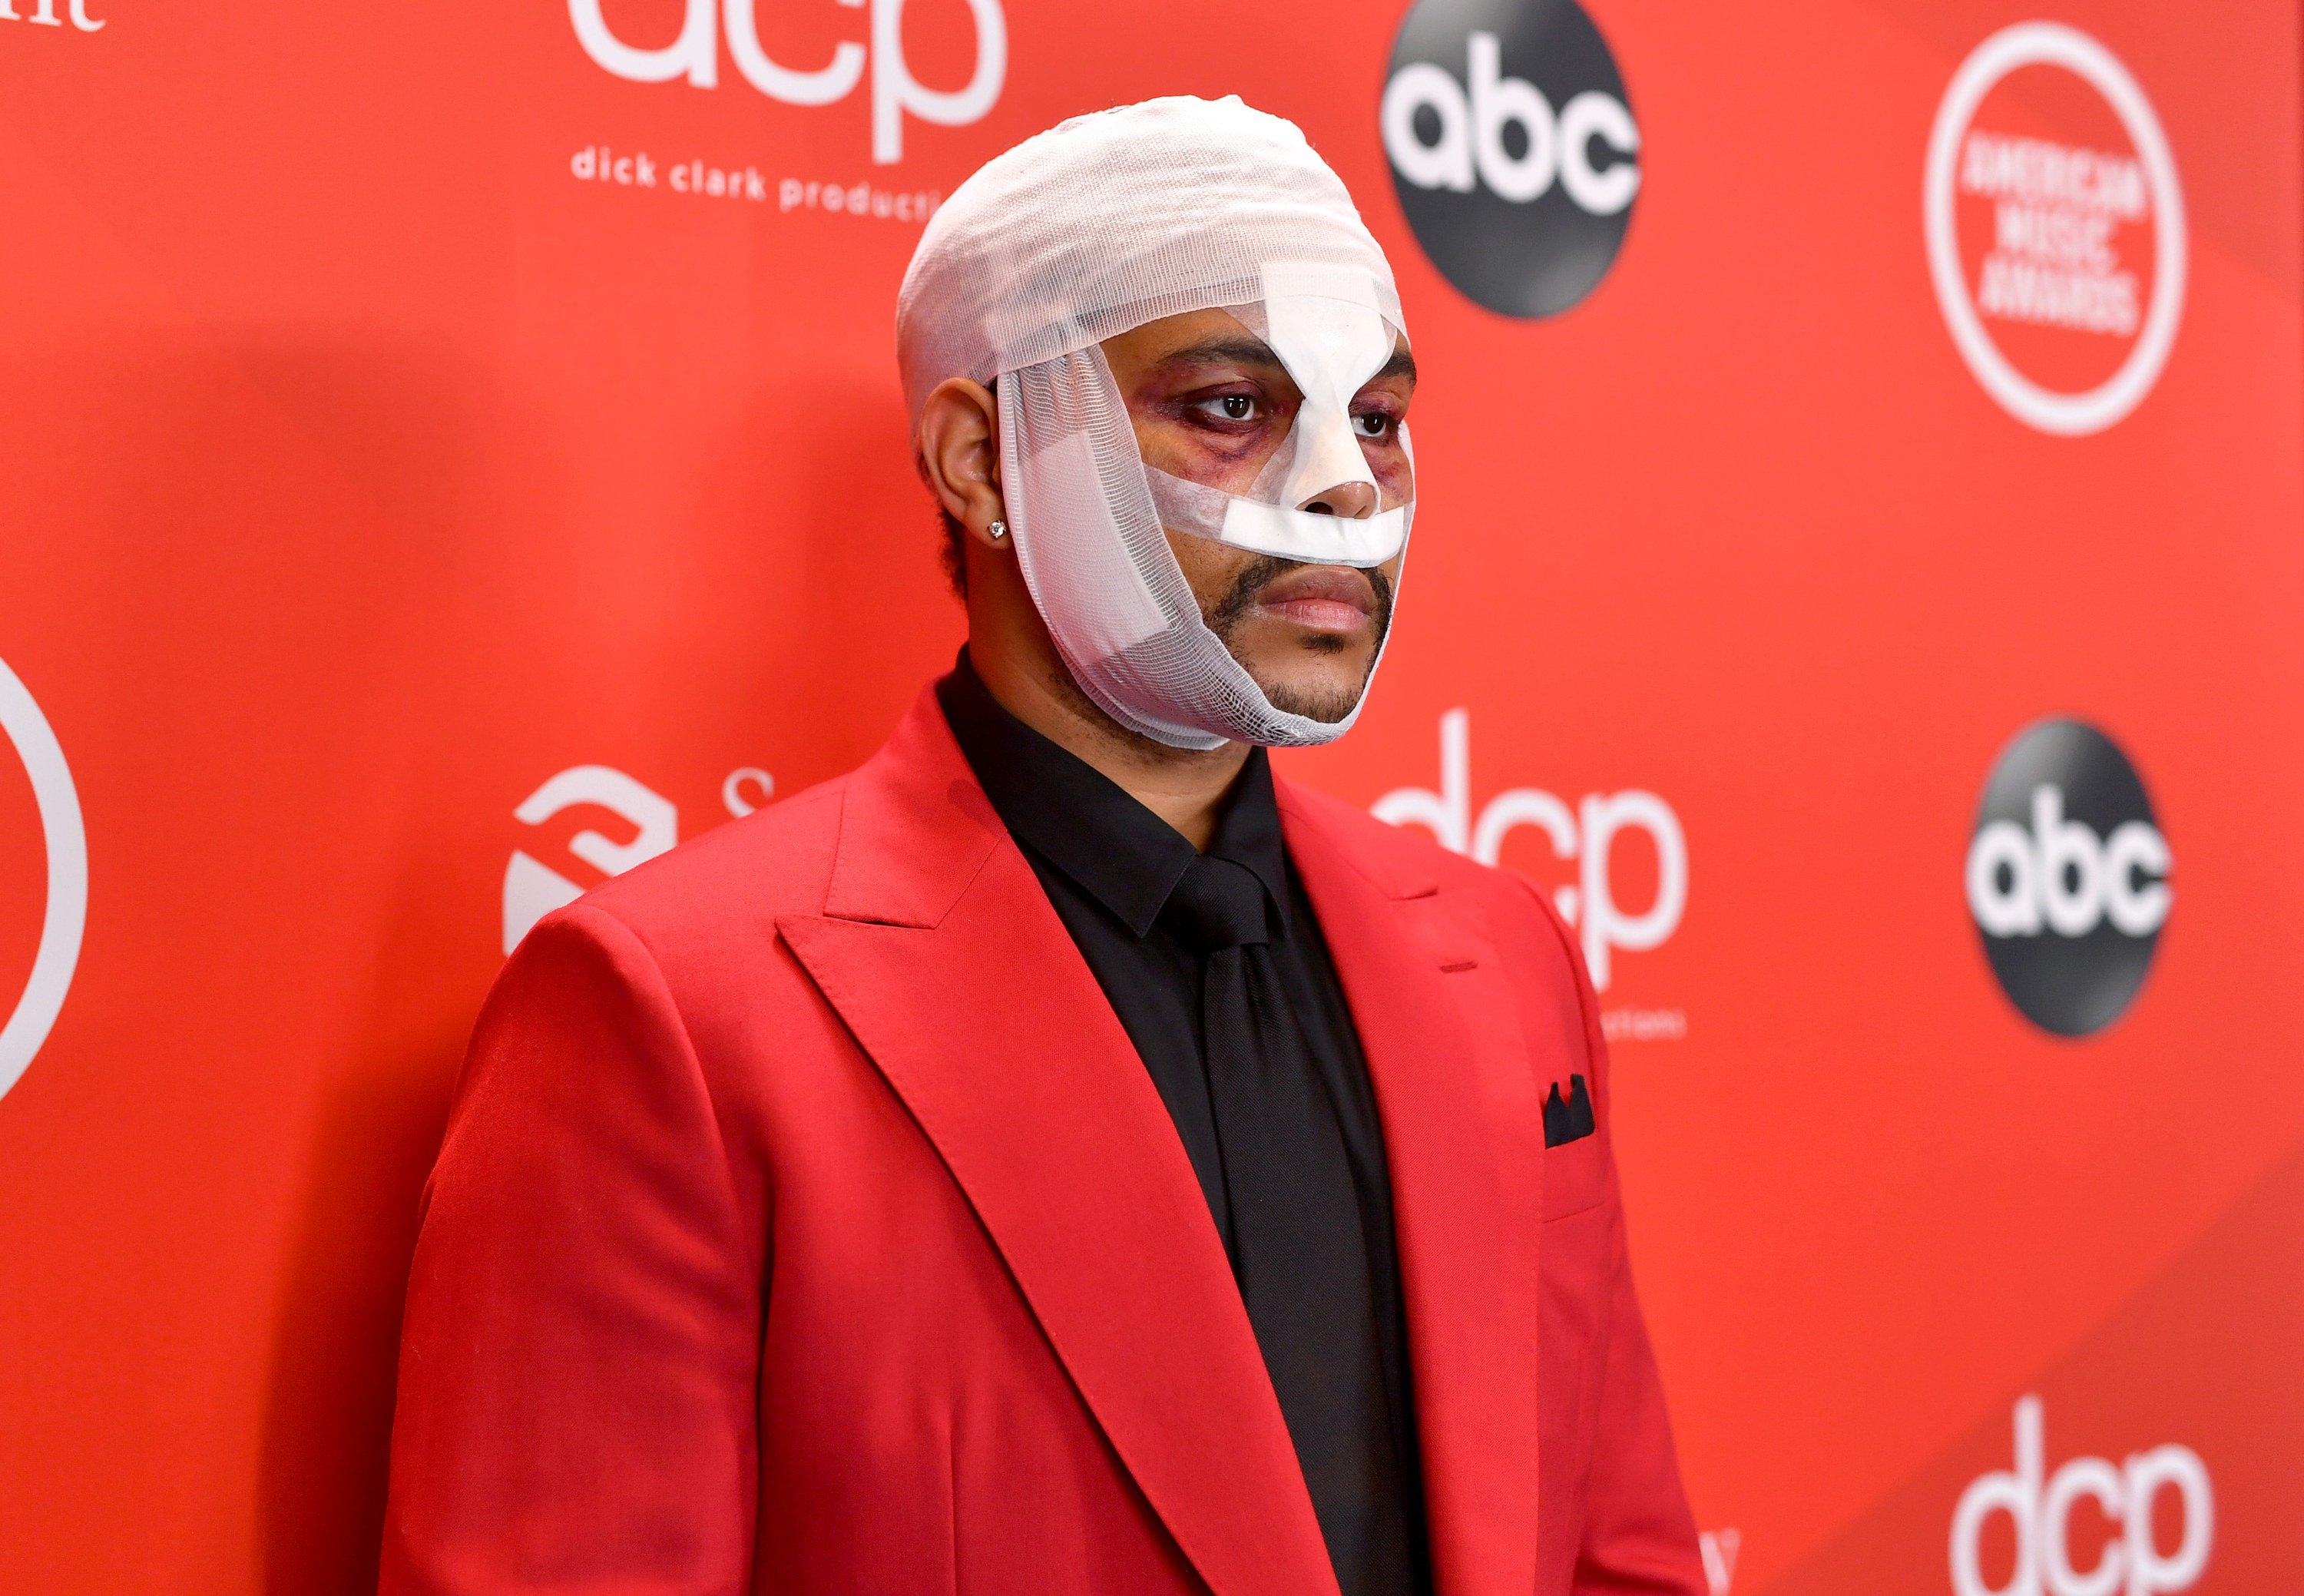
pixel 1297 1245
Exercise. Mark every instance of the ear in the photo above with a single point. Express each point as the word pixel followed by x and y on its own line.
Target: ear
pixel 959 446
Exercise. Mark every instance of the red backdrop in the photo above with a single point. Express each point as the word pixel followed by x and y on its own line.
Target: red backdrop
pixel 362 466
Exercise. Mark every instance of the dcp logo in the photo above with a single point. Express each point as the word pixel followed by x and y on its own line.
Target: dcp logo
pixel 65 913
pixel 2067 877
pixel 2131 1562
pixel 1512 147
pixel 1587 834
pixel 695 56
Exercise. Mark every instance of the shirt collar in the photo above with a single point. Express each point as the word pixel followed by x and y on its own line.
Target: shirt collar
pixel 1089 828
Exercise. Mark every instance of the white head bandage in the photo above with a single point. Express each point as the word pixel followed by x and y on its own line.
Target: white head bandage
pixel 1094 228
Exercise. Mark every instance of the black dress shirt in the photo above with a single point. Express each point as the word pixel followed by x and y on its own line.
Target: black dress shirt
pixel 1108 865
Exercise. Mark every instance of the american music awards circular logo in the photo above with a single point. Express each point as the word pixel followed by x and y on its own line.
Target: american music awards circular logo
pixel 32 1009
pixel 1513 149
pixel 2055 228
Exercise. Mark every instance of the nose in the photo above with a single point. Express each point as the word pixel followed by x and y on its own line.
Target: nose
pixel 1350 501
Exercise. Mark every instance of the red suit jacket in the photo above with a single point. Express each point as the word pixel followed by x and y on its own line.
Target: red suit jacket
pixel 807 1222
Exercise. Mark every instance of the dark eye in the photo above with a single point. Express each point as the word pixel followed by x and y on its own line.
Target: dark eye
pixel 1228 409
pixel 1374 424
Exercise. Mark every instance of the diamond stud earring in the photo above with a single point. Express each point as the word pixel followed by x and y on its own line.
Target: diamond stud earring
pixel 998 528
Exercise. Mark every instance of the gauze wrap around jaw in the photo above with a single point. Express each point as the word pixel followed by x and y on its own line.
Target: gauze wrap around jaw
pixel 1090 230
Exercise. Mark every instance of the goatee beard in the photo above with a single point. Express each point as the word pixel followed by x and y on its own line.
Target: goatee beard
pixel 1327 708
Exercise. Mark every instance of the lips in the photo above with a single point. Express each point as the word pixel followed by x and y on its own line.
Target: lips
pixel 1320 598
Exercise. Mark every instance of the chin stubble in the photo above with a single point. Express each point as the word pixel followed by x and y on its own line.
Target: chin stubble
pixel 1327 708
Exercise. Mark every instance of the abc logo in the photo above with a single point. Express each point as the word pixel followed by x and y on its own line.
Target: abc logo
pixel 1512 147
pixel 2068 877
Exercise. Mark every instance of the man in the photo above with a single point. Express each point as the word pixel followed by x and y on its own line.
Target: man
pixel 1060 1157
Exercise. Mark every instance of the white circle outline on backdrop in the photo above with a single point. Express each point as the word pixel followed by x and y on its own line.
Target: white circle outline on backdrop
pixel 66 915
pixel 2052 44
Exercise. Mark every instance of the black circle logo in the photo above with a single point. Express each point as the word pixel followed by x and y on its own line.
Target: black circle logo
pixel 2068 877
pixel 1512 147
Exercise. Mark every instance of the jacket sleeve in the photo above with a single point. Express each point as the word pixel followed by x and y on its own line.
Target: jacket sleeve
pixel 579 1355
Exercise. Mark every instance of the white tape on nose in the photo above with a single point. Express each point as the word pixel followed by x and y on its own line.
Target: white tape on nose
pixel 1322 323
pixel 1312 538
pixel 1331 459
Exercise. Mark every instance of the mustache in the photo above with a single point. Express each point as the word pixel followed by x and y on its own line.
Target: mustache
pixel 1265 569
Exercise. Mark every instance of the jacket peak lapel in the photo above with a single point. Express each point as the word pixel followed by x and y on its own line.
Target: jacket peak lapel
pixel 941 953
pixel 1463 1131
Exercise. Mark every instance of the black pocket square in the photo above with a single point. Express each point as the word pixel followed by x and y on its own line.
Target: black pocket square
pixel 1570 1121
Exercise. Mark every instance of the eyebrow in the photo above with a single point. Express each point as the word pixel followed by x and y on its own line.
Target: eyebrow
pixel 1238 351
pixel 1256 351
